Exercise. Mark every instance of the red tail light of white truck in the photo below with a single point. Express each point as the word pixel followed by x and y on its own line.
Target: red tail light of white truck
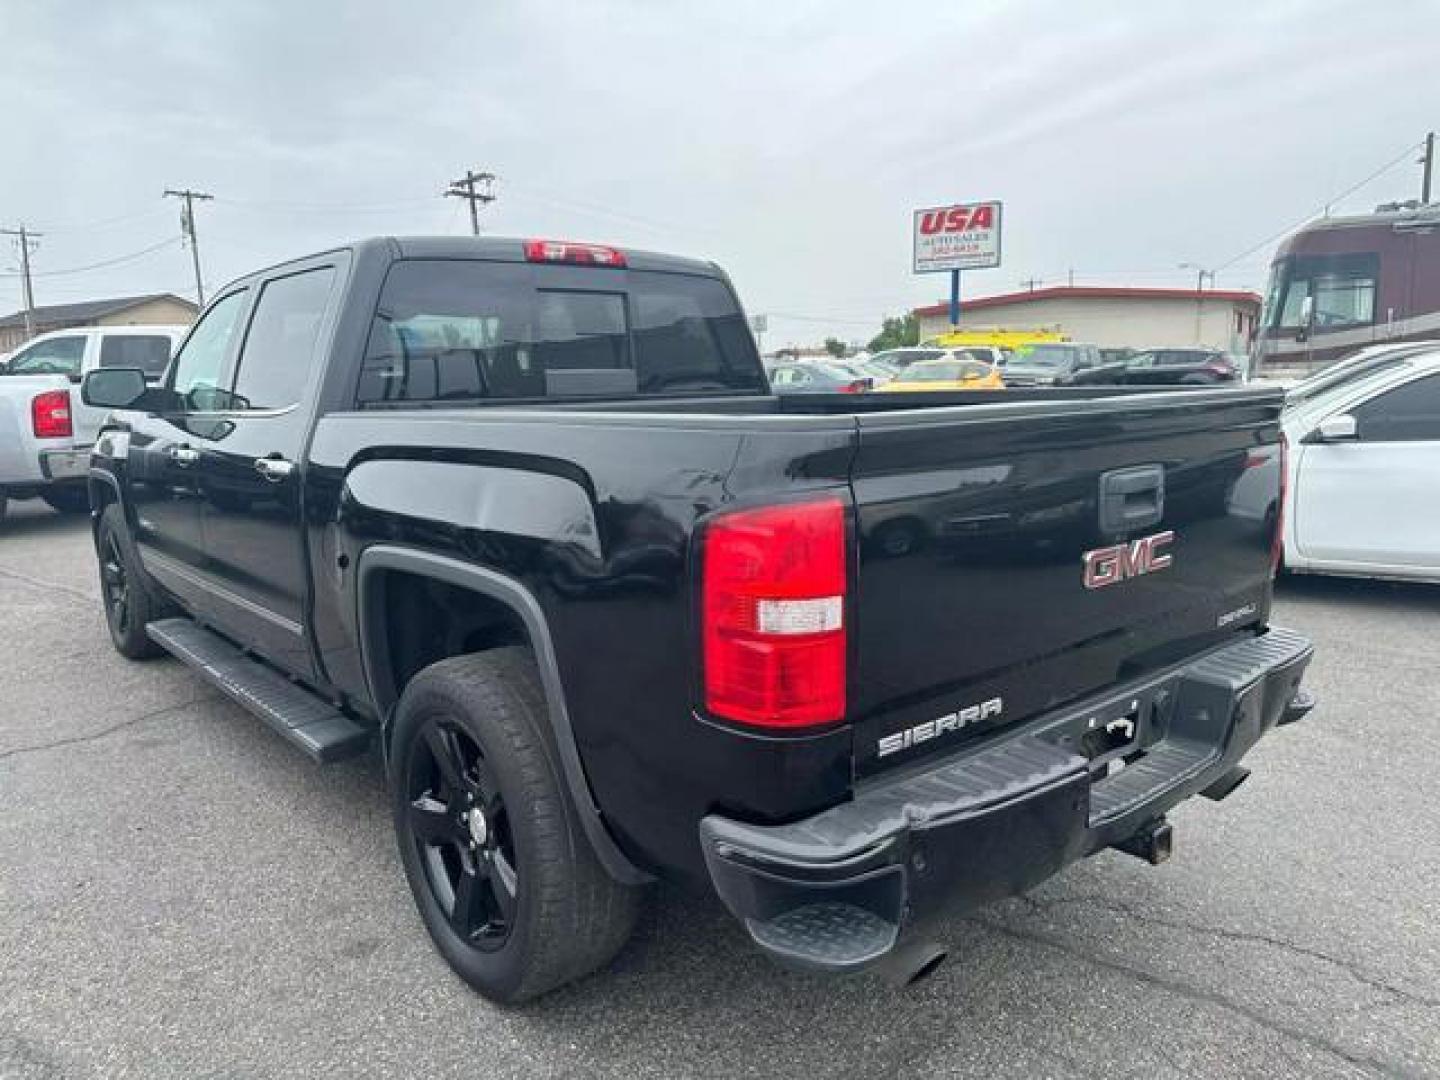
pixel 50 415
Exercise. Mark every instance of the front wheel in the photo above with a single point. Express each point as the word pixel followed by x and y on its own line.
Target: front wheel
pixel 129 599
pixel 502 873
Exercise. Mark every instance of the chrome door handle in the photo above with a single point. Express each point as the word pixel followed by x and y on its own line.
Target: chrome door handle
pixel 274 469
pixel 184 456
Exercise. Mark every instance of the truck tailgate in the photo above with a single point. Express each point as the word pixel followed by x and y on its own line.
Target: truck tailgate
pixel 1017 556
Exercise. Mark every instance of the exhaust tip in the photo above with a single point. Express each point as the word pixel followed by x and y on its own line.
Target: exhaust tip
pixel 912 964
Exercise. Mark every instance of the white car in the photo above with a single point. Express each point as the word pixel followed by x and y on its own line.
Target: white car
pixel 1363 480
pixel 45 429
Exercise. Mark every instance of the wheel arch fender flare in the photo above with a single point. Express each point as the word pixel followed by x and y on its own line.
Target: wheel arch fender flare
pixel 375 661
pixel 103 478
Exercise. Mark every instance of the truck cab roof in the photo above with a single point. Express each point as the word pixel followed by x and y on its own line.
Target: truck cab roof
pixel 488 248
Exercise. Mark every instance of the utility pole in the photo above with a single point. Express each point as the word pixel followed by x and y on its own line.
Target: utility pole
pixel 476 188
pixel 187 227
pixel 1200 275
pixel 26 243
pixel 1429 162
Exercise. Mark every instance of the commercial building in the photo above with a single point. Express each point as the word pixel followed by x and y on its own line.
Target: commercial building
pixel 154 309
pixel 1106 316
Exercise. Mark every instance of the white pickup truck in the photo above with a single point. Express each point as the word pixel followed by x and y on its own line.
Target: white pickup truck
pixel 45 429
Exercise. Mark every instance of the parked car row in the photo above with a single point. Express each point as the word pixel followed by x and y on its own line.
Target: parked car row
pixel 975 367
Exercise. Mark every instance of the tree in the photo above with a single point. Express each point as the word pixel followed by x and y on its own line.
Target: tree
pixel 897 332
pixel 835 347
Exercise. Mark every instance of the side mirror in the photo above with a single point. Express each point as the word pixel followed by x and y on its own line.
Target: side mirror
pixel 1333 429
pixel 1307 317
pixel 113 388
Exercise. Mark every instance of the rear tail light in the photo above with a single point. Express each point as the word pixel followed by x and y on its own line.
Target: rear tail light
pixel 50 415
pixel 773 608
pixel 562 251
pixel 859 386
pixel 1277 542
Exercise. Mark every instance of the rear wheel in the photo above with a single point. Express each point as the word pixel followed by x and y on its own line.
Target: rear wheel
pixel 129 598
pixel 68 498
pixel 501 870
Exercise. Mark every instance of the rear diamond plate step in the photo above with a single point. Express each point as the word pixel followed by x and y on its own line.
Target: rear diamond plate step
pixel 309 722
pixel 833 936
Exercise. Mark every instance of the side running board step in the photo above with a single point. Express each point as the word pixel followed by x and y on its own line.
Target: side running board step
pixel 302 719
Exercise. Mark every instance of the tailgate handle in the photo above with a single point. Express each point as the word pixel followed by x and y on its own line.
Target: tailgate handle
pixel 1132 498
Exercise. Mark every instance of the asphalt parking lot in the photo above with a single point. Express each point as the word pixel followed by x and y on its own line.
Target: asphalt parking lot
pixel 183 895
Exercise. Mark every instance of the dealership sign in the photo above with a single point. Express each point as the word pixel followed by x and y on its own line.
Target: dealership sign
pixel 963 236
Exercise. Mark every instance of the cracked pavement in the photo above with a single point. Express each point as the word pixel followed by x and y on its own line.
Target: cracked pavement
pixel 183 895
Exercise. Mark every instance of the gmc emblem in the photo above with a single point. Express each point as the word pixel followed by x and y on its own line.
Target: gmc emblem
pixel 1110 565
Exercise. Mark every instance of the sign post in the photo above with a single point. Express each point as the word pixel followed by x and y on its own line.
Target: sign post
pixel 962 236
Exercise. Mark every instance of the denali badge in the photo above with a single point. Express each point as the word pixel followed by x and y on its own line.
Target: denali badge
pixel 955 721
pixel 1109 565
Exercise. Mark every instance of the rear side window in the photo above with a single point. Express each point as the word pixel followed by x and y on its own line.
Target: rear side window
pixel 279 350
pixel 452 330
pixel 150 353
pixel 58 356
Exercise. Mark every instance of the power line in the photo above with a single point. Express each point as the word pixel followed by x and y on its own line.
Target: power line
pixel 476 188
pixel 116 261
pixel 187 228
pixel 331 207
pixel 819 318
pixel 1325 208
pixel 563 202
pixel 103 223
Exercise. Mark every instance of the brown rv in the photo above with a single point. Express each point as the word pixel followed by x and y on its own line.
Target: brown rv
pixel 1340 284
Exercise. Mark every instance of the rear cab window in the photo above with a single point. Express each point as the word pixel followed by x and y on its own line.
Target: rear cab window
pixel 148 352
pixel 469 330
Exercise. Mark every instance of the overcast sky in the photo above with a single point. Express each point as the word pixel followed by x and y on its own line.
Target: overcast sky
pixel 788 141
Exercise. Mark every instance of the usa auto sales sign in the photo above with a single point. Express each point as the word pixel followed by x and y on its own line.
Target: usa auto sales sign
pixel 962 236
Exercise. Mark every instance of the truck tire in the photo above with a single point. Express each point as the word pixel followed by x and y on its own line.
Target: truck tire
pixel 130 599
pixel 504 877
pixel 68 499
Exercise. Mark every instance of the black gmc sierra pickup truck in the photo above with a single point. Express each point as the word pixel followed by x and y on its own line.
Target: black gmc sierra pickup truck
pixel 525 515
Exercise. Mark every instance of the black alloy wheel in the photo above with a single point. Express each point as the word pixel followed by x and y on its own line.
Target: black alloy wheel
pixel 458 823
pixel 130 600
pixel 494 851
pixel 115 585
